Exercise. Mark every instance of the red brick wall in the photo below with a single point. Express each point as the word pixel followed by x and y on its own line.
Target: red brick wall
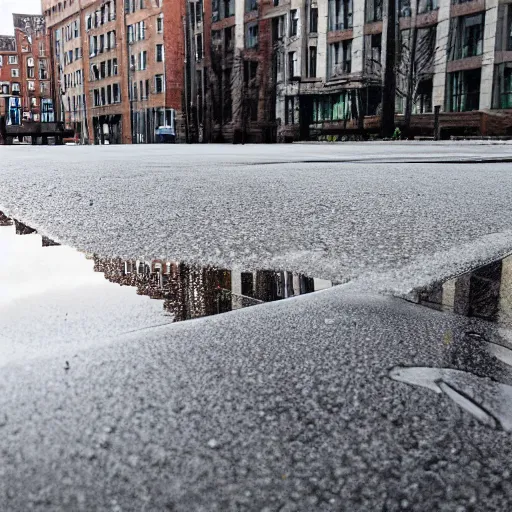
pixel 174 45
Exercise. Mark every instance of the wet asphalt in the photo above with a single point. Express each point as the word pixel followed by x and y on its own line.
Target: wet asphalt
pixel 286 406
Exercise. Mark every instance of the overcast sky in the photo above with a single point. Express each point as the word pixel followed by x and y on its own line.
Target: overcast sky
pixel 7 7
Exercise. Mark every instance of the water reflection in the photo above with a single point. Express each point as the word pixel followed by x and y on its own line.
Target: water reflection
pixel 485 292
pixel 189 291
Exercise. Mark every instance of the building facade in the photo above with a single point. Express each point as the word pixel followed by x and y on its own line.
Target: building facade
pixel 143 71
pixel 114 83
pixel 26 87
pixel 310 69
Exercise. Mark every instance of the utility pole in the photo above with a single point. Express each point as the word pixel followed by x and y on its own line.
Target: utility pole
pixel 387 125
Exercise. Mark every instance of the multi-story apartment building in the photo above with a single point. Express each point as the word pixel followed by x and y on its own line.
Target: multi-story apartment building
pixel 26 92
pixel 110 72
pixel 312 68
pixel 267 70
pixel 9 79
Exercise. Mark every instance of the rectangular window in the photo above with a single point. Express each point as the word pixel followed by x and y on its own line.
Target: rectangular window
pixel 251 5
pixel 293 70
pixel 251 35
pixel 313 20
pixel 13 59
pixel 143 60
pixel 14 118
pixel 340 14
pixel 160 24
pixel 43 70
pixel 290 110
pixel 15 73
pixel 159 84
pixel 159 52
pixel 463 90
pixel 116 92
pixel 505 75
pixel 294 22
pixel 374 10
pixel 431 5
pixel 466 36
pixel 47 112
pixel 312 62
pixel 199 47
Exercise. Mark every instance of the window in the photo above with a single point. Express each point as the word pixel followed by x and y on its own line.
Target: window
pixel 340 58
pixel 112 13
pixel 313 20
pixel 312 62
pixel 43 70
pixel 159 52
pixel 160 24
pixel 199 12
pixel 159 84
pixel 47 113
pixel 199 47
pixel 228 40
pixel 141 31
pixel 143 60
pixel 251 35
pixel 229 8
pixel 423 100
pixel 373 51
pixel 340 14
pixel 15 73
pixel 463 90
pixel 466 36
pixel 293 68
pixel 373 10
pixel 14 117
pixel 294 22
pixel 505 80
pixel 30 68
pixel 111 39
pixel 42 49
pixel 333 107
pixel 16 87
pixel 251 5
pixel 428 5
pixel 289 110
pixel 116 93
pixel 13 59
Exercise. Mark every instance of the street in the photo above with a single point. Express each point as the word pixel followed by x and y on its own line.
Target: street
pixel 350 398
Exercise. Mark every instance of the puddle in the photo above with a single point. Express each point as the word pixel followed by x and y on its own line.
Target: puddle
pixel 485 292
pixel 477 385
pixel 185 291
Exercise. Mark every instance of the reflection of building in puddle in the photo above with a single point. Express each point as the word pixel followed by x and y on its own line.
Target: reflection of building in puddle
pixel 189 291
pixel 4 220
pixel 192 292
pixel 485 292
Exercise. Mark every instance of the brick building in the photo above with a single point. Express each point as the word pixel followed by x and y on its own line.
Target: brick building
pixel 114 71
pixel 26 90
